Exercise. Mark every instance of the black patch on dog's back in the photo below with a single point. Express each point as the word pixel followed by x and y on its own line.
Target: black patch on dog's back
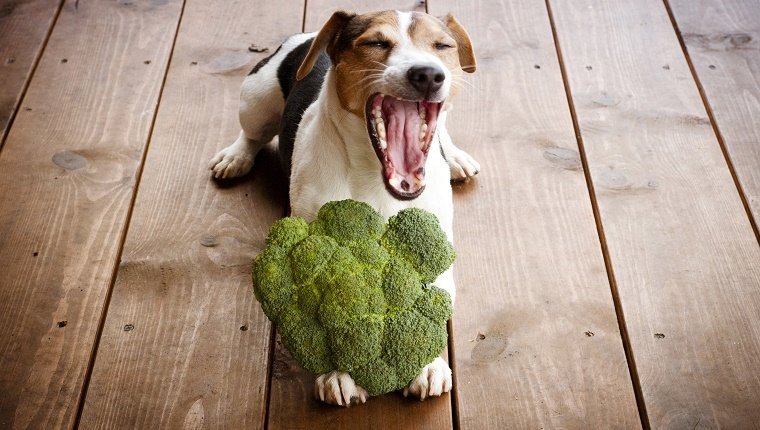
pixel 299 95
pixel 263 62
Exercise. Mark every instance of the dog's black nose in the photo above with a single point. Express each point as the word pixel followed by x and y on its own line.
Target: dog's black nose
pixel 426 79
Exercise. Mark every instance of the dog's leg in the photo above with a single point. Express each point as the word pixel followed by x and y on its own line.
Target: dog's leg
pixel 338 388
pixel 261 106
pixel 236 159
pixel 461 164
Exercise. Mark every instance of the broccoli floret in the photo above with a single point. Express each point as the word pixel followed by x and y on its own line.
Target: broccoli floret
pixel 348 292
pixel 401 283
pixel 405 236
pixel 309 257
pixel 273 281
pixel 306 340
pixel 347 221
pixel 434 303
pixel 286 232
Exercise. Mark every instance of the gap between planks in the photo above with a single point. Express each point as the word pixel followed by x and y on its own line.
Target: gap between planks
pixel 600 231
pixel 272 328
pixel 713 122
pixel 32 71
pixel 454 393
pixel 127 221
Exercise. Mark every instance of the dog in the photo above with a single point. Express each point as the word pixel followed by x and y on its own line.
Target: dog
pixel 360 108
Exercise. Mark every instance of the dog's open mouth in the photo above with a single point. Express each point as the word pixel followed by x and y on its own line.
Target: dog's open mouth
pixel 401 132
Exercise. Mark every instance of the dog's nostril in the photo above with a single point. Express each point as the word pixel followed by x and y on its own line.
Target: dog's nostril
pixel 405 185
pixel 439 77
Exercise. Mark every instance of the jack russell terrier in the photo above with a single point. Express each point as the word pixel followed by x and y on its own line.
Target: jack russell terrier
pixel 360 108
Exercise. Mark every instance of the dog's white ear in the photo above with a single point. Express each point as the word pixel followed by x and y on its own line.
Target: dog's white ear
pixel 326 37
pixel 464 44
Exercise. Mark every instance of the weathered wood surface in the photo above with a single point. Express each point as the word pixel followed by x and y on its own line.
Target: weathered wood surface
pixel 723 41
pixel 198 350
pixel 67 175
pixel 292 403
pixel 536 340
pixel 20 46
pixel 685 259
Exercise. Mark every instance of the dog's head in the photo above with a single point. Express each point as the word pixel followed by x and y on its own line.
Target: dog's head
pixel 396 70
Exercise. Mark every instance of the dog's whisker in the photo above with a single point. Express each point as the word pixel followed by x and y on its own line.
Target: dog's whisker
pixel 382 65
pixel 374 81
pixel 461 80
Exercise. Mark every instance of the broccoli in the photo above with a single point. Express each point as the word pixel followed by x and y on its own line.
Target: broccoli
pixel 350 293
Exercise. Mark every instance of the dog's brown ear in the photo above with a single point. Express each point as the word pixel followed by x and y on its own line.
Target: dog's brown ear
pixel 464 44
pixel 326 37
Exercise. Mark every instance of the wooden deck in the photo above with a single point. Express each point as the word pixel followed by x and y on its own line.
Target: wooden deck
pixel 608 263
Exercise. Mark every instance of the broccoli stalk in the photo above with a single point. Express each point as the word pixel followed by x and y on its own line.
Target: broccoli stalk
pixel 350 293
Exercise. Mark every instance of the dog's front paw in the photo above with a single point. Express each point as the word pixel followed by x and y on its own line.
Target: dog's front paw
pixel 338 388
pixel 434 380
pixel 231 162
pixel 461 164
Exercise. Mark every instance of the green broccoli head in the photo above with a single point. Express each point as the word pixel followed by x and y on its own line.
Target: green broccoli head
pixel 348 292
pixel 415 235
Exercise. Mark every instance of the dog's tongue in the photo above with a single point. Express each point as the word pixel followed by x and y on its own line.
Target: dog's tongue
pixel 403 124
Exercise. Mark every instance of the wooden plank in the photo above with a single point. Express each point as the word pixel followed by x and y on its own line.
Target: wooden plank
pixel 292 403
pixel 197 351
pixel 24 27
pixel 536 339
pixel 722 41
pixel 67 175
pixel 685 259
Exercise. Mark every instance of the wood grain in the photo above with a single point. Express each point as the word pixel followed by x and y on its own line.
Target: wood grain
pixel 723 41
pixel 685 259
pixel 536 340
pixel 292 403
pixel 184 343
pixel 67 175
pixel 20 46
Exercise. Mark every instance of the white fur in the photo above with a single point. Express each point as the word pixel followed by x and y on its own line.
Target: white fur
pixel 338 388
pixel 334 160
pixel 434 380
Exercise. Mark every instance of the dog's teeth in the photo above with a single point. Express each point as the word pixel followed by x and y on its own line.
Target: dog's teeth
pixel 383 144
pixel 419 182
pixel 423 132
pixel 380 126
pixel 422 114
pixel 377 112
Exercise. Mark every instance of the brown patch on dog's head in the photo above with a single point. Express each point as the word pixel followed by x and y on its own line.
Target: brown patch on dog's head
pixel 464 44
pixel 325 40
pixel 360 55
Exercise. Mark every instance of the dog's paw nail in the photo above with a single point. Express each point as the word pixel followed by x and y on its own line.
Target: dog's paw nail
pixel 337 388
